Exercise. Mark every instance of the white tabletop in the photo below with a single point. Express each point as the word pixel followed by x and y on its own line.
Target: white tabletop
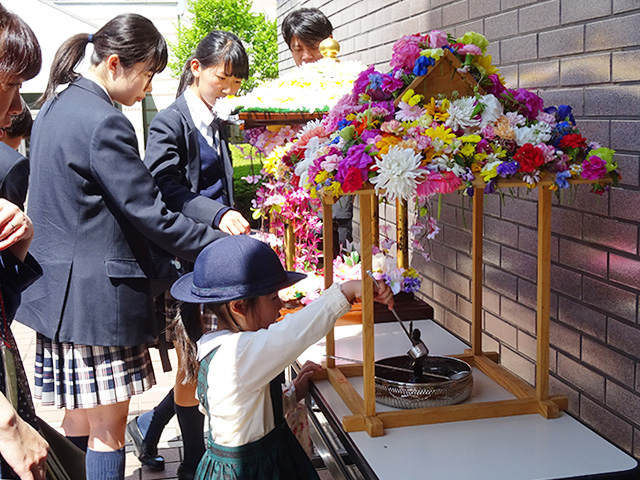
pixel 523 447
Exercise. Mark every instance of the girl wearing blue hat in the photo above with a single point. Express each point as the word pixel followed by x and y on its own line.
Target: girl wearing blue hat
pixel 241 362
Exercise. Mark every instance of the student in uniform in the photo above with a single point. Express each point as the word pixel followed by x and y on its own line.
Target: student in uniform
pixel 239 379
pixel 188 155
pixel 96 209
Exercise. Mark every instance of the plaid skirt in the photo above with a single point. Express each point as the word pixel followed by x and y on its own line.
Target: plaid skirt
pixel 85 376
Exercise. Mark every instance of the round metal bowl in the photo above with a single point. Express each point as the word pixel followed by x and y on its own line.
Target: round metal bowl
pixel 402 389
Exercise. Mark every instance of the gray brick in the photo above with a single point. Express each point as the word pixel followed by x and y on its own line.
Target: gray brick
pixel 483 8
pixel 595 131
pixel 625 135
pixel 620 201
pixel 521 264
pixel 456 238
pixel 444 296
pixel 582 318
pixel 473 26
pixel 501 26
pixel 528 239
pixel 490 300
pixel 518 49
pixel 623 402
pixel 583 257
pixel 443 255
pixel 566 281
pixel 489 344
pixel 558 387
pixel 417 7
pixel 493 51
pixel 614 234
pixel 636 443
pixel 626 66
pixel 620 6
pixel 464 265
pixel 606 423
pixel 455 13
pixel 580 10
pixel 500 281
pixel 458 326
pixel 629 169
pixel 540 74
pixel 573 97
pixel 624 337
pixel 519 315
pixel 582 377
pixel 519 365
pixel 509 4
pixel 585 70
pixel 610 299
pixel 510 73
pixel 459 284
pixel 564 339
pixel 438 3
pixel 501 231
pixel 520 211
pixel 609 362
pixel 527 345
pixel 429 20
pixel 492 205
pixel 625 270
pixel 464 308
pixel 540 16
pixel 501 330
pixel 612 101
pixel 615 33
pixel 566 222
pixel 561 42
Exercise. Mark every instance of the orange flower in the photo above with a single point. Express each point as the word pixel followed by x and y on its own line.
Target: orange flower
pixel 386 143
pixel 503 129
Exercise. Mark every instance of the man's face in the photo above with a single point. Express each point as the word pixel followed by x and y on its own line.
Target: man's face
pixel 304 53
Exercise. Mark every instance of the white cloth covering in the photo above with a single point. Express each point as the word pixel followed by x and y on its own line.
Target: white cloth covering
pixel 240 371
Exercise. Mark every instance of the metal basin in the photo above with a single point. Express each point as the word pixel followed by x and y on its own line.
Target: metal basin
pixel 403 389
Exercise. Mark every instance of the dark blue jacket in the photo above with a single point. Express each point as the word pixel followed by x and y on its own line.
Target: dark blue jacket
pixel 14 175
pixel 95 209
pixel 173 158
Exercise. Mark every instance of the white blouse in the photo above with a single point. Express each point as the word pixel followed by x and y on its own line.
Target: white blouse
pixel 240 371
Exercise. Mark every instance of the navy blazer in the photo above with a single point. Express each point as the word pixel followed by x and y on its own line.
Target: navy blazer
pixel 14 175
pixel 173 158
pixel 95 209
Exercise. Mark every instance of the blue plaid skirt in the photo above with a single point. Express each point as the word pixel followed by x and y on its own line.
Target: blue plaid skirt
pixel 85 376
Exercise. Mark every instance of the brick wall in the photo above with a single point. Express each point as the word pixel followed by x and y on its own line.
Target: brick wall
pixel 586 54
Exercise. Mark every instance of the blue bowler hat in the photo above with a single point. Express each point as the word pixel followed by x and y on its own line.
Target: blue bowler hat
pixel 233 268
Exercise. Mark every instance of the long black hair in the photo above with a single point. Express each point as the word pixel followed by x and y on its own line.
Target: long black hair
pixel 217 48
pixel 132 37
pixel 310 25
pixel 20 54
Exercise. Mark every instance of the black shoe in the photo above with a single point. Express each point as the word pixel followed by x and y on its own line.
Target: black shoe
pixel 186 473
pixel 144 453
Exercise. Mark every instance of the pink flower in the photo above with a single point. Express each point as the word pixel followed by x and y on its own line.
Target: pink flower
pixel 438 182
pixel 594 168
pixel 406 51
pixel 437 39
pixel 468 49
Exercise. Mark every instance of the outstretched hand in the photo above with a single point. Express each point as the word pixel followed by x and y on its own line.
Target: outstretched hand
pixel 234 223
pixel 301 382
pixel 381 292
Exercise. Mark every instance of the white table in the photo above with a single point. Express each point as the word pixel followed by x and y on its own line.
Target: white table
pixel 524 447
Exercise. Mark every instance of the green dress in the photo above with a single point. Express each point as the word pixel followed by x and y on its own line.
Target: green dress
pixel 276 456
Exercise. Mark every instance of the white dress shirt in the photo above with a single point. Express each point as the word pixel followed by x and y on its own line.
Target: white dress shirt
pixel 240 409
pixel 201 115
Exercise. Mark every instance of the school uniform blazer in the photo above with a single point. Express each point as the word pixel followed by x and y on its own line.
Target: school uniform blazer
pixel 14 175
pixel 173 158
pixel 95 209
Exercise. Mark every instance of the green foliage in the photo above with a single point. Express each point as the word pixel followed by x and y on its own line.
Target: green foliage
pixel 244 165
pixel 258 34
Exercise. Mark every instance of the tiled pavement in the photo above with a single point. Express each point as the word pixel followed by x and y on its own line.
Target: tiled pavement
pixel 170 446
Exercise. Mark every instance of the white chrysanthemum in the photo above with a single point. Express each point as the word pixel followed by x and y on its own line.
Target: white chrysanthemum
pixel 535 134
pixel 492 109
pixel 397 173
pixel 461 113
pixel 307 127
pixel 443 163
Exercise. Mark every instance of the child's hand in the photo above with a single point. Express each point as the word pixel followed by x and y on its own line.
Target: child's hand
pixel 301 382
pixel 381 293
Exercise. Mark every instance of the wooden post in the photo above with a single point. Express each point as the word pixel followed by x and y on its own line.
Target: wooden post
pixel 476 270
pixel 375 220
pixel 544 295
pixel 327 252
pixel 289 246
pixel 402 237
pixel 368 369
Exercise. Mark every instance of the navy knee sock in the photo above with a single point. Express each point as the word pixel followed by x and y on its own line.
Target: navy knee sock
pixel 81 442
pixel 105 465
pixel 192 428
pixel 160 416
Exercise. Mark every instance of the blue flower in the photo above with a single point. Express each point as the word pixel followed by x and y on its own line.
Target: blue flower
pixel 375 81
pixel 422 64
pixel 565 111
pixel 343 123
pixel 561 179
pixel 490 187
pixel 560 131
pixel 507 168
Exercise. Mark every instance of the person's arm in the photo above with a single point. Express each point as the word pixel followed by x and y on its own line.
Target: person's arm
pixel 116 166
pixel 16 230
pixel 164 157
pixel 22 447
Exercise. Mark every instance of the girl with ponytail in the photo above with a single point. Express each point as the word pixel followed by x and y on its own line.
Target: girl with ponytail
pixel 188 155
pixel 96 211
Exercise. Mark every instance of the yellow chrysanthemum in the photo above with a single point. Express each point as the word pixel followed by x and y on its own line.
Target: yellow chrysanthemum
pixel 471 138
pixel 437 112
pixel 387 142
pixel 468 150
pixel 443 133
pixel 434 53
pixel 335 189
pixel 490 170
pixel 321 176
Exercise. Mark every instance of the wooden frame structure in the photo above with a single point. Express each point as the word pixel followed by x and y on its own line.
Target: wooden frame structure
pixel 528 399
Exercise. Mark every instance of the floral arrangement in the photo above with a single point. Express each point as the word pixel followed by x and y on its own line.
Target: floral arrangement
pixel 408 146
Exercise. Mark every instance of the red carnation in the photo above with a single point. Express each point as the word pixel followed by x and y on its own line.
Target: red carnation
pixel 529 158
pixel 352 180
pixel 573 140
